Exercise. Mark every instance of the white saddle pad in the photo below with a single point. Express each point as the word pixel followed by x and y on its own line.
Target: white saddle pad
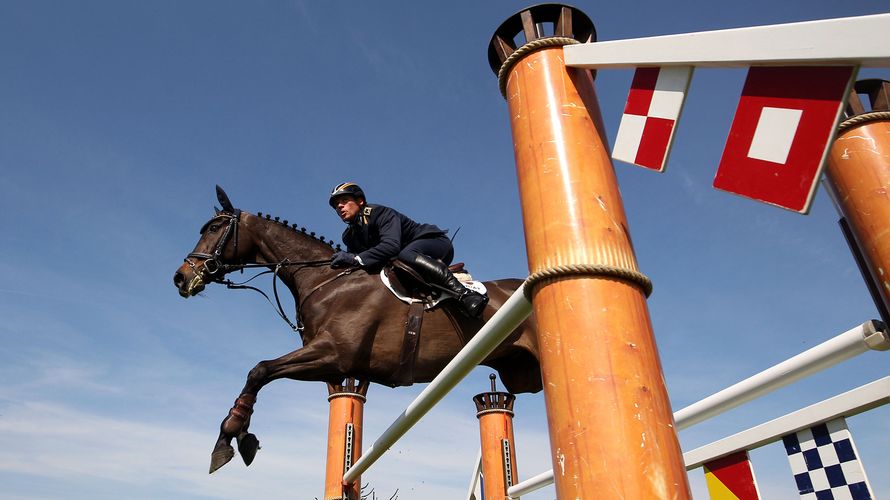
pixel 476 286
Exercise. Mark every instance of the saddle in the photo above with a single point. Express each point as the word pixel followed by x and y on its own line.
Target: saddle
pixel 410 287
pixel 406 282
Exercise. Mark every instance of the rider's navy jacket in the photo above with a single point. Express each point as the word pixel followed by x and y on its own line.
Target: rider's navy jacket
pixel 379 233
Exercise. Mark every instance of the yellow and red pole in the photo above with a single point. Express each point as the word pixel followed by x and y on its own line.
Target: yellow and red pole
pixel 347 402
pixel 609 416
pixel 858 174
pixel 495 413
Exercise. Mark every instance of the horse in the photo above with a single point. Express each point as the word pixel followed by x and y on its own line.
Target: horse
pixel 350 325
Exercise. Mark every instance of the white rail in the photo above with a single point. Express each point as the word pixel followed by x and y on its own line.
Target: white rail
pixel 474 479
pixel 865 337
pixel 504 321
pixel 858 41
pixel 531 484
pixel 853 402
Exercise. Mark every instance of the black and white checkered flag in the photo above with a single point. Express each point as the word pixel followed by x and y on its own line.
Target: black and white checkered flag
pixel 825 463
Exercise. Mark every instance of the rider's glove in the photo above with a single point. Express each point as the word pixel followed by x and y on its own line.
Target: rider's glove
pixel 345 259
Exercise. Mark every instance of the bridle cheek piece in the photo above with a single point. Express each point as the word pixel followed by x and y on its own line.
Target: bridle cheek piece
pixel 212 262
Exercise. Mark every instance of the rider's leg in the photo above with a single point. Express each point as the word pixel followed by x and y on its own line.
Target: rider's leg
pixel 426 257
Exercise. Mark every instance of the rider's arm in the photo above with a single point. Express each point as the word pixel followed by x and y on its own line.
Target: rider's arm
pixel 389 227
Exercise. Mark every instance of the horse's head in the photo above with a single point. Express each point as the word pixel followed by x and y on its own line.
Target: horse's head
pixel 219 248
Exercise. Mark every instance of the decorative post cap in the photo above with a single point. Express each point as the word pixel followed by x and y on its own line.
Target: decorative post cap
pixel 546 20
pixel 878 92
pixel 348 387
pixel 494 401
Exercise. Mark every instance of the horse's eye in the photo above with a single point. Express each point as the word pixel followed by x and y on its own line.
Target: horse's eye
pixel 213 228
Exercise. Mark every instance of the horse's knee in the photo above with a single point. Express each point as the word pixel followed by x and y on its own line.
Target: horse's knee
pixel 258 374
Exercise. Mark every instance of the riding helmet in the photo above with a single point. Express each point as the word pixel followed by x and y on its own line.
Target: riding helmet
pixel 349 188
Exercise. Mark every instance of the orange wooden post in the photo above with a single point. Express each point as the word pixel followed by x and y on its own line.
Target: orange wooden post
pixel 347 402
pixel 858 173
pixel 495 413
pixel 609 416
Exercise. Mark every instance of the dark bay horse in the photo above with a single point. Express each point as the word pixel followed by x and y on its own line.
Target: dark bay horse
pixel 351 326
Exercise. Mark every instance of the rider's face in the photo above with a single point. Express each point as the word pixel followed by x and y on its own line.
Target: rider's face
pixel 348 207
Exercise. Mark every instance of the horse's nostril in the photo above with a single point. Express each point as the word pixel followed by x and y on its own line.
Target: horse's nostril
pixel 178 279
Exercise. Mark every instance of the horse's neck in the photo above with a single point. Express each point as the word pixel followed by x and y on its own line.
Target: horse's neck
pixel 277 243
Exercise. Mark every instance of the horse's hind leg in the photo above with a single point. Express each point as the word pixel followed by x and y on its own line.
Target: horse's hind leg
pixel 307 362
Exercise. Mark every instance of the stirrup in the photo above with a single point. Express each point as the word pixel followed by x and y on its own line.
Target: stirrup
pixel 475 309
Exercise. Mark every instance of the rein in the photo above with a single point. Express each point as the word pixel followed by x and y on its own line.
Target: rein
pixel 213 266
pixel 299 326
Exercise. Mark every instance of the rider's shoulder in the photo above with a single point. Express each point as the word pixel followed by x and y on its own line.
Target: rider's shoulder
pixel 375 211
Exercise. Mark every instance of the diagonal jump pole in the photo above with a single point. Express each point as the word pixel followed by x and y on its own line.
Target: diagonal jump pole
pixel 610 422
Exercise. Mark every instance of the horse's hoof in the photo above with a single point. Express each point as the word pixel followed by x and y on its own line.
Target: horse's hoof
pixel 221 456
pixel 248 444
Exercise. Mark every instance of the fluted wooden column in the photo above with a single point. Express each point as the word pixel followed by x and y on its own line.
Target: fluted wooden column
pixel 858 172
pixel 609 416
pixel 495 413
pixel 347 403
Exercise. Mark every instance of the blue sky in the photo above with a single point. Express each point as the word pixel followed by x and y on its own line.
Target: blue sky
pixel 117 119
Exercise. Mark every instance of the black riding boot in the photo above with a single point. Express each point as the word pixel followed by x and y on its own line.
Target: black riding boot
pixel 437 273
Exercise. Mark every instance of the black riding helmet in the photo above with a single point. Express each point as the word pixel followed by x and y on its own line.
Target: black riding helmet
pixel 349 188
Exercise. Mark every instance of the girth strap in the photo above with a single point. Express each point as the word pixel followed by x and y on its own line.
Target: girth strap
pixel 404 374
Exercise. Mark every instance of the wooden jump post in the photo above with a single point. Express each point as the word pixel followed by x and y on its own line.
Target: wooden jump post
pixel 857 174
pixel 347 403
pixel 609 416
pixel 494 410
pixel 869 336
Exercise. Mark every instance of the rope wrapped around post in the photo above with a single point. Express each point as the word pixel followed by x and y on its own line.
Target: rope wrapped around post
pixel 553 41
pixel 863 118
pixel 580 270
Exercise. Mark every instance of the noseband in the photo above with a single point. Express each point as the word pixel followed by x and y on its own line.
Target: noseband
pixel 212 262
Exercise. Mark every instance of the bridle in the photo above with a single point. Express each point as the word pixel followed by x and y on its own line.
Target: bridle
pixel 214 269
pixel 214 258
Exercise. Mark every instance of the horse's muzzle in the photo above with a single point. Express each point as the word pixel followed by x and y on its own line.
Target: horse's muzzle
pixel 188 285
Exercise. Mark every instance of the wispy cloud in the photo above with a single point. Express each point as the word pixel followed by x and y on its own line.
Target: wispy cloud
pixel 64 445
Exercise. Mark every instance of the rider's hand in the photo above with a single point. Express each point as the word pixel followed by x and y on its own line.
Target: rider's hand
pixel 345 259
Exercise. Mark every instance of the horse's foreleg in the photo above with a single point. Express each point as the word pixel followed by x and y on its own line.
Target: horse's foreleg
pixel 307 361
pixel 235 425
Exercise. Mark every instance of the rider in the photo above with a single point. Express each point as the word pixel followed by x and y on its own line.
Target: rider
pixel 375 234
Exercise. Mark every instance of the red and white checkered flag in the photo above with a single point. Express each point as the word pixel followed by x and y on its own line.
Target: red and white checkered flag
pixel 650 116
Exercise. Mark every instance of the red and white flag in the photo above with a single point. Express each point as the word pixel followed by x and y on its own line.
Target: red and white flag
pixel 782 131
pixel 650 116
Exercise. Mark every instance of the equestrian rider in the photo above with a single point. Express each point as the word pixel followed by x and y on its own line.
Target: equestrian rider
pixel 375 234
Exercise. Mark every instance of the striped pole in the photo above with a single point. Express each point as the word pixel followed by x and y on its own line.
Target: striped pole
pixel 609 417
pixel 495 413
pixel 347 403
pixel 858 175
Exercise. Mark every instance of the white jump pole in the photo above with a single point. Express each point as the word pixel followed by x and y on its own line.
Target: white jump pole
pixel 531 484
pixel 474 479
pixel 848 404
pixel 504 321
pixel 865 337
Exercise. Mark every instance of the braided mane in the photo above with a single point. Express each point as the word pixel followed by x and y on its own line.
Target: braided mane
pixel 302 230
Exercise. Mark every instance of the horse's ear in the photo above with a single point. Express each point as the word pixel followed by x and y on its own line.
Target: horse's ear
pixel 216 210
pixel 224 200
